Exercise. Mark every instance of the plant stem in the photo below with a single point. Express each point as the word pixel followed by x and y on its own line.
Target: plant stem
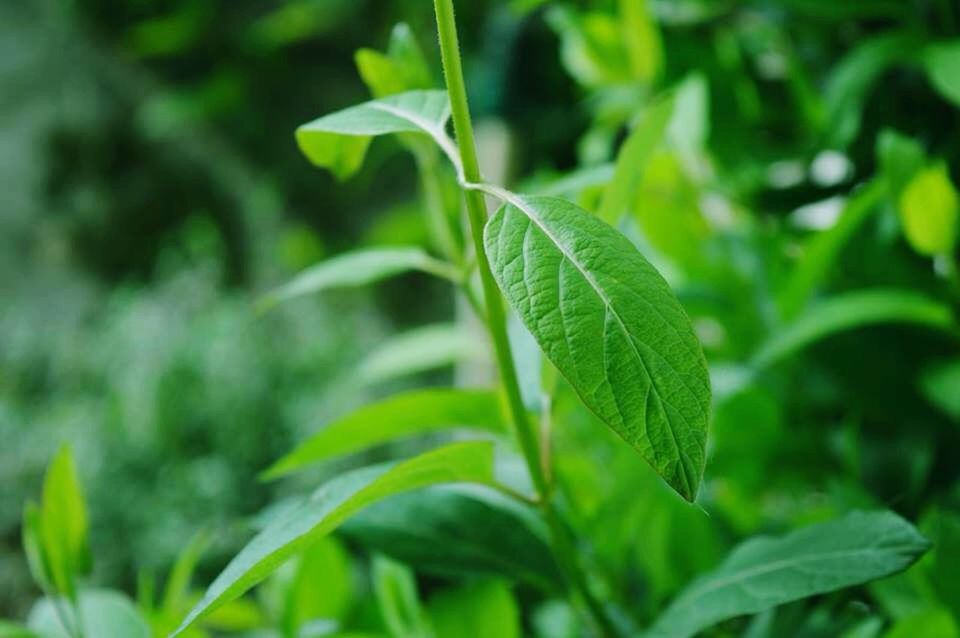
pixel 525 430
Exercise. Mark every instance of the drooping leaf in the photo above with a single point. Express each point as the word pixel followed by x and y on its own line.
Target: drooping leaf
pixel 632 160
pixel 942 62
pixel 929 211
pixel 418 350
pixel 359 268
pixel 63 524
pixel 456 530
pixel 852 310
pixel 339 141
pixel 941 386
pixel 484 609
pixel 765 572
pixel 333 503
pixel 611 325
pixel 398 599
pixel 102 613
pixel 399 416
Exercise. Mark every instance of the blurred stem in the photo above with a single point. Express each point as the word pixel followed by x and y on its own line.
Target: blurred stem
pixel 431 184
pixel 524 428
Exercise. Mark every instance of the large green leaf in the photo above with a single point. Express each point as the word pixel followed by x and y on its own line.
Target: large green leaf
pixel 852 310
pixel 359 268
pixel 419 350
pixel 63 523
pixel 339 141
pixel 611 325
pixel 459 529
pixel 942 62
pixel 765 572
pixel 102 612
pixel 483 609
pixel 330 505
pixel 403 415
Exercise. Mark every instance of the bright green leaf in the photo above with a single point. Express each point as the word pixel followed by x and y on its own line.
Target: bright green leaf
pixel 402 415
pixel 484 609
pixel 395 587
pixel 402 68
pixel 459 529
pixel 419 350
pixel 611 325
pixel 765 572
pixel 359 268
pixel 339 141
pixel 942 62
pixel 333 503
pixel 933 623
pixel 63 516
pixel 104 614
pixel 33 547
pixel 852 310
pixel 928 211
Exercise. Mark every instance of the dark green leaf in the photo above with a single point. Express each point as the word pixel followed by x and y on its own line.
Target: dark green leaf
pixel 941 385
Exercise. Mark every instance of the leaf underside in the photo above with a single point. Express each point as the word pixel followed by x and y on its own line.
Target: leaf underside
pixel 611 325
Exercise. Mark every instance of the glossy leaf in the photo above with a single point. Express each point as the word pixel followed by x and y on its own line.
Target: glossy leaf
pixel 611 325
pixel 333 503
pixel 765 572
pixel 852 310
pixel 942 62
pixel 459 529
pixel 419 350
pixel 484 609
pixel 929 211
pixel 339 141
pixel 102 612
pixel 399 416
pixel 359 268
pixel 395 588
pixel 63 524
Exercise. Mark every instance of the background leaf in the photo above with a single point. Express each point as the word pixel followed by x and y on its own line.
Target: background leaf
pixel 418 350
pixel 929 210
pixel 395 587
pixel 942 62
pixel 63 523
pixel 484 609
pixel 103 613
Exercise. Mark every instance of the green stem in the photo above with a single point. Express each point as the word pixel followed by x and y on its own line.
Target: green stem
pixel 524 428
pixel 431 184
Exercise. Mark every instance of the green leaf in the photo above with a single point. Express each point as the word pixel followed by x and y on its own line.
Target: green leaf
pixel 822 250
pixel 932 623
pixel 402 68
pixel 339 141
pixel 359 268
pixel 13 630
pixel 900 158
pixel 459 529
pixel 928 211
pixel 33 546
pixel 395 587
pixel 402 415
pixel 333 503
pixel 63 524
pixel 765 572
pixel 178 582
pixel 632 160
pixel 103 613
pixel 485 609
pixel 941 386
pixel 942 62
pixel 611 325
pixel 852 310
pixel 419 350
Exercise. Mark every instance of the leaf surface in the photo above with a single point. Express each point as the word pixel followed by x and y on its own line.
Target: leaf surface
pixel 765 572
pixel 611 325
pixel 63 523
pixel 482 609
pixel 399 416
pixel 333 503
pixel 942 62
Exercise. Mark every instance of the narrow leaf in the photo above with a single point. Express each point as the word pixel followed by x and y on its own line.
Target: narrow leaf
pixel 765 572
pixel 402 415
pixel 339 141
pixel 852 310
pixel 330 505
pixel 419 350
pixel 611 325
pixel 395 587
pixel 63 517
pixel 358 268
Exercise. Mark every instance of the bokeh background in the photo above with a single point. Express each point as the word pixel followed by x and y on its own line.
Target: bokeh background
pixel 151 190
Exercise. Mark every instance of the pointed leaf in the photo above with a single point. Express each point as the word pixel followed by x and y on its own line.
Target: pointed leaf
pixel 395 587
pixel 330 505
pixel 64 523
pixel 33 548
pixel 339 141
pixel 765 572
pixel 358 268
pixel 399 416
pixel 611 325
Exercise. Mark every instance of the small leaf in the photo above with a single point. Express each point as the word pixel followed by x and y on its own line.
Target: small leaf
pixel 765 572
pixel 333 503
pixel 611 325
pixel 459 529
pixel 402 68
pixel 941 386
pixel 359 268
pixel 103 614
pixel 33 547
pixel 63 517
pixel 852 310
pixel 942 62
pixel 398 599
pixel 928 210
pixel 419 350
pixel 632 160
pixel 485 609
pixel 402 415
pixel 339 141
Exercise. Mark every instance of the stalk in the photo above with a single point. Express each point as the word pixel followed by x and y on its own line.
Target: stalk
pixel 524 428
